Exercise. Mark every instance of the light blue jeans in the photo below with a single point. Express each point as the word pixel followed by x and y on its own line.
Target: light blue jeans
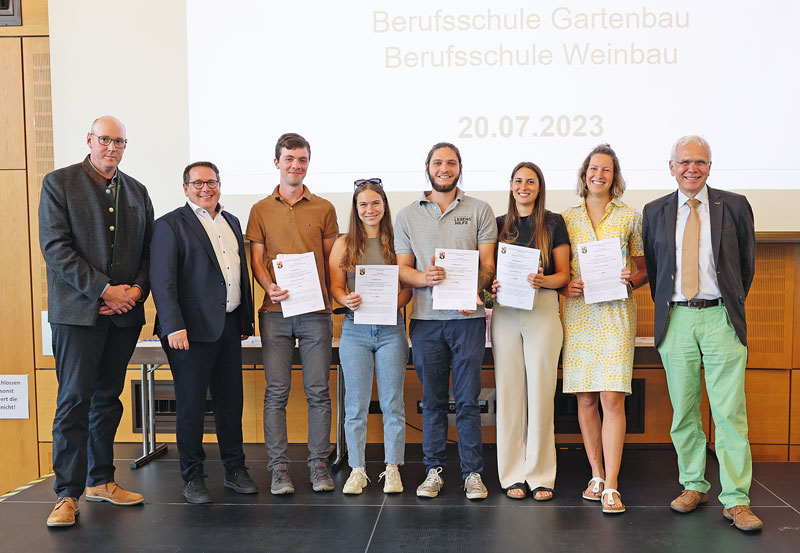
pixel 384 350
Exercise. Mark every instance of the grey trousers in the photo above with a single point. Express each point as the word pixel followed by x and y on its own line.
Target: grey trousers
pixel 313 332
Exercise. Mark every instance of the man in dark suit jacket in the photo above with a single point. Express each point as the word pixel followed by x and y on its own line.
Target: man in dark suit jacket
pixel 201 288
pixel 94 231
pixel 699 247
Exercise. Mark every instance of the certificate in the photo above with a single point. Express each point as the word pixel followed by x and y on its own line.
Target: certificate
pixel 298 274
pixel 459 289
pixel 377 286
pixel 514 264
pixel 601 265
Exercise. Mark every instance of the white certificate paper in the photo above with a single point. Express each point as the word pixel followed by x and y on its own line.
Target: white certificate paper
pixel 377 286
pixel 514 264
pixel 459 289
pixel 298 275
pixel 601 265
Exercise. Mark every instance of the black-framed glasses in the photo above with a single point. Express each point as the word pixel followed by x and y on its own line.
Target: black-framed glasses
pixel 199 184
pixel 106 140
pixel 373 180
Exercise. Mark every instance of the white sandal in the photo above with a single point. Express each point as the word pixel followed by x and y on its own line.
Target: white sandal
pixel 613 506
pixel 596 489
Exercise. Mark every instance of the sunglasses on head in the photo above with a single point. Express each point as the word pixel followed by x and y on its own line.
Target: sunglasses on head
pixel 360 182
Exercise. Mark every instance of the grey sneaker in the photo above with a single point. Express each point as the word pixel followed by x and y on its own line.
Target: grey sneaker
pixel 474 487
pixel 356 482
pixel 432 484
pixel 281 481
pixel 320 475
pixel 392 484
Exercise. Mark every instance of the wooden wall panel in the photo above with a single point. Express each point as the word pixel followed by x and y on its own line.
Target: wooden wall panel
pixel 45 458
pixel 794 453
pixel 12 114
pixel 39 147
pixel 767 406
pixel 770 308
pixel 19 455
pixel 796 319
pixel 794 423
pixel 46 392
pixel 769 453
pixel 645 311
pixel 34 20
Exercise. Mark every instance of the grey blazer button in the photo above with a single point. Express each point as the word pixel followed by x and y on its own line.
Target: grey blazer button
pixel 111 210
pixel 111 228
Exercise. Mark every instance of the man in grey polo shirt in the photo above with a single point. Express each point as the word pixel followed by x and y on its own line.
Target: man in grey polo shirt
pixel 446 218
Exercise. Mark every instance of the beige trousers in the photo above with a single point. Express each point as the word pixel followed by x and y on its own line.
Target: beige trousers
pixel 526 345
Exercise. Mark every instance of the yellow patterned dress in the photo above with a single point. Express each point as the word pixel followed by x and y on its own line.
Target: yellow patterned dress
pixel 599 338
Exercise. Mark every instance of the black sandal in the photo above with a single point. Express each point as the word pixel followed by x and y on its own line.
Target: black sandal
pixel 542 489
pixel 518 486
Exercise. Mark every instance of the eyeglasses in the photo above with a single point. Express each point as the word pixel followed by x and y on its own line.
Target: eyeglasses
pixel 106 140
pixel 199 184
pixel 699 163
pixel 359 182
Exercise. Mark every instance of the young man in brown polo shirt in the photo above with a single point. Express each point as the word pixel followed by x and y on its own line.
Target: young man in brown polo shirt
pixel 292 220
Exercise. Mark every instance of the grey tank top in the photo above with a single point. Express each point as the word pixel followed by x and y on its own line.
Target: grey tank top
pixel 372 256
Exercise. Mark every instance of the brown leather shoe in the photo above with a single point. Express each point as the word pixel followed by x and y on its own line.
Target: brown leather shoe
pixel 743 518
pixel 64 513
pixel 113 494
pixel 688 501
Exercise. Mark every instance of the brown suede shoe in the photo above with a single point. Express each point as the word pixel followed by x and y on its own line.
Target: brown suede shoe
pixel 113 494
pixel 64 512
pixel 743 518
pixel 688 501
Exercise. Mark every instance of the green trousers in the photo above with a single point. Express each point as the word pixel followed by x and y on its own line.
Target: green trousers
pixel 706 335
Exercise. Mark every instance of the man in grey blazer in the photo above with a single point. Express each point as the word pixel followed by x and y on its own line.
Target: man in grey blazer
pixel 699 247
pixel 94 231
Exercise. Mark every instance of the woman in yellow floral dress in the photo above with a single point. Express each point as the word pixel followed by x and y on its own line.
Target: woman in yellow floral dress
pixel 599 338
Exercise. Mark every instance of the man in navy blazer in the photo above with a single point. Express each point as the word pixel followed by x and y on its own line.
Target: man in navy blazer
pixel 201 288
pixel 699 318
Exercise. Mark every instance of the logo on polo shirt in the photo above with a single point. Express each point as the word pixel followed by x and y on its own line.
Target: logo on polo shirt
pixel 462 220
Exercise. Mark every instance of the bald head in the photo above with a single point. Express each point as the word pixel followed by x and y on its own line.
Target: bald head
pixel 106 157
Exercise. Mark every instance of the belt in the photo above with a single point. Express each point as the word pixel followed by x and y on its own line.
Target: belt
pixel 697 304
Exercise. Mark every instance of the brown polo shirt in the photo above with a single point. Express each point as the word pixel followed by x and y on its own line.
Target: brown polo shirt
pixel 288 229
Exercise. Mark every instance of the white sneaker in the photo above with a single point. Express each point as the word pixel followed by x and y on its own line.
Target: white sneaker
pixel 432 484
pixel 392 484
pixel 474 487
pixel 356 482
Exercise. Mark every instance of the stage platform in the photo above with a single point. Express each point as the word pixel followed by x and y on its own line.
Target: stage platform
pixel 374 522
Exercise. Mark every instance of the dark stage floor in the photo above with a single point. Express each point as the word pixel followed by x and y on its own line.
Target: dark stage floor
pixel 374 522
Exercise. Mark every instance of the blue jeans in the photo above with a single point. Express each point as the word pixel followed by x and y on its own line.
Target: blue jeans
pixel 313 332
pixel 437 345
pixel 384 349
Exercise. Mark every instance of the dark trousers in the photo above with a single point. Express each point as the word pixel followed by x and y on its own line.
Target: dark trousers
pixel 90 367
pixel 216 367
pixel 438 346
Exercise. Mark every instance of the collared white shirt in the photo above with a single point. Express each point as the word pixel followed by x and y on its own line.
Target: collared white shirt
pixel 709 289
pixel 226 248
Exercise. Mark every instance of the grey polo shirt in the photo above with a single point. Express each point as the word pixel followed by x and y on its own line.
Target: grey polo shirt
pixel 421 227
